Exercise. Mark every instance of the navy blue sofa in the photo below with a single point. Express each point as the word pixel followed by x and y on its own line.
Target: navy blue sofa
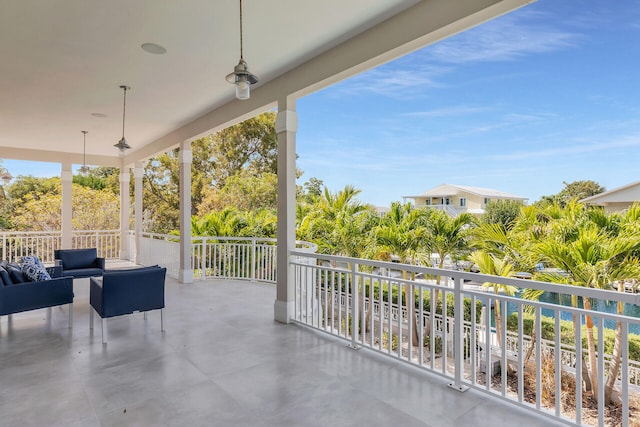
pixel 79 263
pixel 120 292
pixel 18 293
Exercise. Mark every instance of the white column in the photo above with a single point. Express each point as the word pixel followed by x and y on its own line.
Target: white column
pixel 286 127
pixel 185 158
pixel 138 173
pixel 125 206
pixel 67 206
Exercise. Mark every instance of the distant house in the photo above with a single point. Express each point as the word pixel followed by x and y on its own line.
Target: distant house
pixel 616 200
pixel 456 199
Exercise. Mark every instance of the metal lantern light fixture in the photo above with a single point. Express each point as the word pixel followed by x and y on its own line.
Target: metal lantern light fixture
pixel 5 176
pixel 84 170
pixel 241 77
pixel 122 144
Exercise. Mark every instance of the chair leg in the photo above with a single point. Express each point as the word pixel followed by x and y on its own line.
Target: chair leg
pixel 162 319
pixel 90 318
pixel 104 330
pixel 145 315
pixel 70 315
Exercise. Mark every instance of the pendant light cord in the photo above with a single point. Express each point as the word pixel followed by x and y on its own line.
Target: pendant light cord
pixel 124 109
pixel 84 148
pixel 241 57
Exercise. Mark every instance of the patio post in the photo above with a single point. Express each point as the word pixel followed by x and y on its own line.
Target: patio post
pixel 125 206
pixel 67 189
pixel 138 173
pixel 286 127
pixel 185 158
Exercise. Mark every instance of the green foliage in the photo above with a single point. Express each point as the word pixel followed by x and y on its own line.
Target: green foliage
pixel 426 300
pixel 244 191
pixel 547 327
pixel 248 149
pixel 573 191
pixel 503 212
pixel 91 210
pixel 29 187
pixel 90 181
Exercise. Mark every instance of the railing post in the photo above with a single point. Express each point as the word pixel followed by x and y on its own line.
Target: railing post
pixel 254 260
pixel 203 258
pixel 458 335
pixel 354 307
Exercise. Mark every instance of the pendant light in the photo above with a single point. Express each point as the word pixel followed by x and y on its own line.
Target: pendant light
pixel 84 170
pixel 241 77
pixel 122 144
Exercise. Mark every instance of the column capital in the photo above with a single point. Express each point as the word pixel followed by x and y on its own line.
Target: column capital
pixel 286 121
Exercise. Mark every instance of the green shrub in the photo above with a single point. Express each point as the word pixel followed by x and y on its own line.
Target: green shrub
pixel 567 335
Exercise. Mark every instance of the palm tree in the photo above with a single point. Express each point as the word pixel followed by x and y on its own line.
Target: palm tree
pixel 401 233
pixel 447 235
pixel 596 259
pixel 340 225
pixel 494 266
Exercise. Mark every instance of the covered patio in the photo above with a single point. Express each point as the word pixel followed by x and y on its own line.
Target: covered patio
pixel 222 360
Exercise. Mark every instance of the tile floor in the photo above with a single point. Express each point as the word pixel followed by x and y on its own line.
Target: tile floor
pixel 222 361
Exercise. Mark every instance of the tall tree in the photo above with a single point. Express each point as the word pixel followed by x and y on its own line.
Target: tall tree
pixel 252 145
pixel 401 233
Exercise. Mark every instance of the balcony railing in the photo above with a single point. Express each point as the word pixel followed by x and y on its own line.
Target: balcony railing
pixel 243 258
pixel 16 244
pixel 349 298
pixel 353 299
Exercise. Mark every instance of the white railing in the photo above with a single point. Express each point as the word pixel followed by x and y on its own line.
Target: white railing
pixel 16 244
pixel 213 257
pixel 441 341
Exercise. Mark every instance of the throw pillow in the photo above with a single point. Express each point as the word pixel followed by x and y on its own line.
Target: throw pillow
pixel 16 273
pixel 4 275
pixel 33 269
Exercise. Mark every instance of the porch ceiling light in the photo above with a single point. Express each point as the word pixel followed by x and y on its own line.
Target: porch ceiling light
pixel 122 144
pixel 5 176
pixel 241 77
pixel 84 170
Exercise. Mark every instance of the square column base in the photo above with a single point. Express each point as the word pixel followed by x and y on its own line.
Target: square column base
pixel 185 276
pixel 283 311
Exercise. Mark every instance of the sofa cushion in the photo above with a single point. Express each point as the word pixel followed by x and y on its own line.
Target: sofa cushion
pixel 15 272
pixel 77 258
pixel 34 270
pixel 4 276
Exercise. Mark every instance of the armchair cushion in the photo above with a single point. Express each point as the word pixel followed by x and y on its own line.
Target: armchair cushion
pixel 80 262
pixel 77 258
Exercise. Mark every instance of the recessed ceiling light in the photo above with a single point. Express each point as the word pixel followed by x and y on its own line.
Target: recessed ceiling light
pixel 99 115
pixel 153 48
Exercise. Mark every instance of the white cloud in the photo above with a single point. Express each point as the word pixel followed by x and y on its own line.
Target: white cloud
pixel 504 39
pixel 571 150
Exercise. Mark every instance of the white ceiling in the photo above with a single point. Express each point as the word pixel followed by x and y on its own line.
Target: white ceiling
pixel 63 60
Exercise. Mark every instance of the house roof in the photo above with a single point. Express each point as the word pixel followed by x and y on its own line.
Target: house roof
pixel 626 194
pixel 64 60
pixel 446 190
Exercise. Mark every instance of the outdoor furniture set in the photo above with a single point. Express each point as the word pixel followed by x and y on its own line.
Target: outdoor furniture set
pixel 30 285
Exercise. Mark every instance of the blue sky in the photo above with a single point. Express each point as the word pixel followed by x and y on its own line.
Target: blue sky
pixel 546 94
